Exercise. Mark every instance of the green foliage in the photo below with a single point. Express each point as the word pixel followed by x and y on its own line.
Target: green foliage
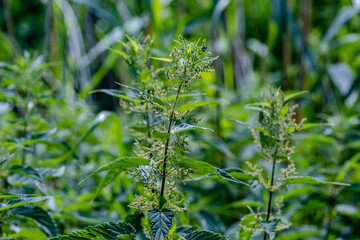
pixel 203 234
pixel 19 200
pixel 53 132
pixel 109 230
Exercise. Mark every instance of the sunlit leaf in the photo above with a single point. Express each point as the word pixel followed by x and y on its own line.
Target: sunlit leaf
pixel 191 106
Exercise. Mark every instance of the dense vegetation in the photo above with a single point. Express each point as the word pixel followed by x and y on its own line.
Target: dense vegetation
pixel 203 119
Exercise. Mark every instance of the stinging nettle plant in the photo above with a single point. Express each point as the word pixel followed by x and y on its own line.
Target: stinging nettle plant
pixel 273 136
pixel 161 160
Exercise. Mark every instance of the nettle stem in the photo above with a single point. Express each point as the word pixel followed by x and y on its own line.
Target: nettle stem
pixel 171 119
pixel 147 120
pixel 270 190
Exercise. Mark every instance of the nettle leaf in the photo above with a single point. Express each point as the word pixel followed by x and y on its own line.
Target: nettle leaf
pixel 191 106
pixel 160 222
pixel 294 95
pixel 5 160
pixel 310 125
pixel 228 177
pixel 160 136
pixel 187 127
pixel 122 54
pixel 239 174
pixel 158 102
pixel 283 111
pixel 312 180
pixel 121 163
pixel 204 235
pixel 206 59
pixel 107 231
pixel 118 94
pixel 41 217
pixel 29 172
pixel 132 89
pixel 257 105
pixel 145 75
pixel 20 200
pixel 201 168
pixel 269 227
pixel 162 59
pixel 248 221
pixel 134 44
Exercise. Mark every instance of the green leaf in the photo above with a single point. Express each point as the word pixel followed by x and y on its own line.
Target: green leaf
pixel 41 217
pixel 259 104
pixel 283 111
pixel 20 200
pixel 228 177
pixel 204 234
pixel 118 94
pixel 239 174
pixel 201 168
pixel 186 127
pixel 5 160
pixel 132 89
pixel 122 54
pixel 134 44
pixel 312 180
pixel 160 136
pixel 294 95
pixel 158 102
pixel 310 125
pixel 191 106
pixel 145 75
pixel 160 222
pixel 121 163
pixel 162 59
pixel 206 59
pixel 29 234
pixel 109 230
pixel 248 221
pixel 269 227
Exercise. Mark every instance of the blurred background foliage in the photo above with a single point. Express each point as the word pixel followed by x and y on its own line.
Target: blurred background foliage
pixel 54 53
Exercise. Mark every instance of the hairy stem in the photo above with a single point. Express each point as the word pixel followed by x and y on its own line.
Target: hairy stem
pixel 270 191
pixel 171 119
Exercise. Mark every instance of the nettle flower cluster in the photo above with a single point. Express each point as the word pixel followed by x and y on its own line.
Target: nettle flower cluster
pixel 275 127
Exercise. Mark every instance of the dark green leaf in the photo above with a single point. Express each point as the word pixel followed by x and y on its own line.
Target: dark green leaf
pixel 204 235
pixel 107 231
pixel 269 227
pixel 41 217
pixel 160 222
